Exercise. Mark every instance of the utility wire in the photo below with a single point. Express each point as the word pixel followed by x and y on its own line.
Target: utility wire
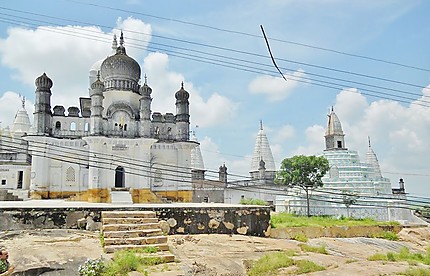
pixel 143 171
pixel 372 93
pixel 252 35
pixel 209 46
pixel 307 80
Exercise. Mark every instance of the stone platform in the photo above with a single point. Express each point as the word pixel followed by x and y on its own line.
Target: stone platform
pixel 179 218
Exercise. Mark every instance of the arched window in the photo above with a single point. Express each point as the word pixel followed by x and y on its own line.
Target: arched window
pixel 57 125
pixel 70 174
pixel 87 127
pixel 125 127
pixel 72 126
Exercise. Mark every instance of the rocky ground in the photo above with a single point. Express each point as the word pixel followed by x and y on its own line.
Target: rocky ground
pixel 60 252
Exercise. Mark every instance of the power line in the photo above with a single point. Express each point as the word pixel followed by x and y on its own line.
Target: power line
pixel 252 35
pixel 304 79
pixel 406 204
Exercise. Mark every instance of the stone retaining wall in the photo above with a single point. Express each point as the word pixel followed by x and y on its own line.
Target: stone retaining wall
pixel 246 220
pixel 333 231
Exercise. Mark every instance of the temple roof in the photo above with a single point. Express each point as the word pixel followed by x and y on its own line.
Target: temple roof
pixel 263 152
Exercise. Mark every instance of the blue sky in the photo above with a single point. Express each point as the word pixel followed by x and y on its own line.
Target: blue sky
pixel 65 38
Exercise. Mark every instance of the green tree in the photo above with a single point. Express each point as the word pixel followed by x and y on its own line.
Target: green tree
pixel 304 172
pixel 349 198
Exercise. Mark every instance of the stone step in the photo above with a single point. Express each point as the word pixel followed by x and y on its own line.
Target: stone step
pixel 129 220
pixel 133 233
pixel 136 241
pixel 114 248
pixel 128 214
pixel 121 197
pixel 166 256
pixel 128 227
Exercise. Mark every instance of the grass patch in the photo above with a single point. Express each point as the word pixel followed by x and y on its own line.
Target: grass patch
pixel 283 219
pixel 387 235
pixel 271 262
pixel 416 271
pixel 125 261
pixel 316 249
pixel 378 257
pixel 300 237
pixel 102 238
pixel 122 263
pixel 252 201
pixel 305 266
pixel 403 255
pixel 349 261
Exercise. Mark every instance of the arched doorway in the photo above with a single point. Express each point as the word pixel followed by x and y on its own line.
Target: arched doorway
pixel 119 177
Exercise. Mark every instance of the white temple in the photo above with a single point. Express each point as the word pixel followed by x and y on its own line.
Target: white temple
pixel 351 187
pixel 112 142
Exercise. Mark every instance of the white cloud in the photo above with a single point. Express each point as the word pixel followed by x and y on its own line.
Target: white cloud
pixel 314 141
pixel 284 133
pixel 217 109
pixel 66 54
pixel 276 88
pixel 66 59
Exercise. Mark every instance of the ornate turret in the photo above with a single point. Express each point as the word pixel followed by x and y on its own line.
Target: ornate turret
pixel 182 114
pixel 96 94
pixel 119 71
pixel 42 106
pixel 334 136
pixel 145 109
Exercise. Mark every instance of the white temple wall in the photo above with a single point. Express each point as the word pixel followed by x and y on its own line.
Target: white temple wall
pixel 9 176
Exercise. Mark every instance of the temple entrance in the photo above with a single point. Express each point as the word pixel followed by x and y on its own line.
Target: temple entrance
pixel 119 177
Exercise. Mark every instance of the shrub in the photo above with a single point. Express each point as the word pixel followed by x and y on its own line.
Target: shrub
pixel 387 235
pixel 126 261
pixel 253 201
pixel 417 271
pixel 92 267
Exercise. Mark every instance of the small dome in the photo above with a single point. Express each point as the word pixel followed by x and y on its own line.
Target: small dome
pixel 120 71
pixel 73 111
pixel 59 110
pixel 43 82
pixel 182 94
pixel 97 85
pixel 145 89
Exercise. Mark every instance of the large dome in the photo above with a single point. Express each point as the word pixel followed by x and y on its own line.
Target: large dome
pixel 120 72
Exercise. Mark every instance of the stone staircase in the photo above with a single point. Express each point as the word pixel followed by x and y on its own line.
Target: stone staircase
pixel 6 195
pixel 134 230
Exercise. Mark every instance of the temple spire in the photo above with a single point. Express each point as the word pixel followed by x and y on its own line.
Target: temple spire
pixel 114 43
pixel 121 39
